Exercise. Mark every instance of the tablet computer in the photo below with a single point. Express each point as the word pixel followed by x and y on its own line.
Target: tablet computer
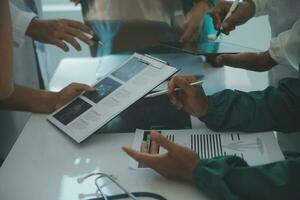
pixel 208 48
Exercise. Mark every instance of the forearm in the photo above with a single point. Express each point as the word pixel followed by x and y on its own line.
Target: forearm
pixel 271 109
pixel 6 51
pixel 30 100
pixel 225 176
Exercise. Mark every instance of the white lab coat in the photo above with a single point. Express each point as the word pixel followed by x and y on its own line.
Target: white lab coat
pixel 284 15
pixel 25 73
pixel 291 47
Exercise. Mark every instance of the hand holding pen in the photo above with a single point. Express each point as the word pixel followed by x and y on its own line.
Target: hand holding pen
pixel 189 98
pixel 227 15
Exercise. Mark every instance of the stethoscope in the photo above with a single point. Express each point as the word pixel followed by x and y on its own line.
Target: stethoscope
pixel 126 194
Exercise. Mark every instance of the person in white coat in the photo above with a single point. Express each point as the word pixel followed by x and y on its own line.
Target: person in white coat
pixel 28 60
pixel 283 15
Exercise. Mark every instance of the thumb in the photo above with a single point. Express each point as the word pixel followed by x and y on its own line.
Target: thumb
pixel 229 25
pixel 78 87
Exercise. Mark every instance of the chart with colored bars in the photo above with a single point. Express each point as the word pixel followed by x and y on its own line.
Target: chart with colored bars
pixel 255 148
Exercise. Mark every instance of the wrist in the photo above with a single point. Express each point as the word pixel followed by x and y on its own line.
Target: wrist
pixel 193 166
pixel 195 171
pixel 33 28
pixel 47 103
pixel 203 108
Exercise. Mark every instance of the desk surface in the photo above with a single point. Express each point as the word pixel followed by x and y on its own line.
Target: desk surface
pixel 45 164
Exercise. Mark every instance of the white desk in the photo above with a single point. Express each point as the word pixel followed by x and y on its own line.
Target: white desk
pixel 44 163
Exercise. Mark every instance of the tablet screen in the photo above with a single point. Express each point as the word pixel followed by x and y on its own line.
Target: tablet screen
pixel 208 48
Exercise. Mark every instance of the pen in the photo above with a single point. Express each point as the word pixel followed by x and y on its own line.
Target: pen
pixel 94 38
pixel 231 10
pixel 155 94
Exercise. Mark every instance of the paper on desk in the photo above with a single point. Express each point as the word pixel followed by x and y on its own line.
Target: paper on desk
pixel 254 148
pixel 114 93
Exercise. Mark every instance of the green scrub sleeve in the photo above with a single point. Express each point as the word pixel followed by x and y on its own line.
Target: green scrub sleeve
pixel 271 109
pixel 231 178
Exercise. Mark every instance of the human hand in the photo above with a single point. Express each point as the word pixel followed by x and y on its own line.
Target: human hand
pixel 242 14
pixel 57 32
pixel 68 93
pixel 192 99
pixel 178 163
pixel 194 22
pixel 250 61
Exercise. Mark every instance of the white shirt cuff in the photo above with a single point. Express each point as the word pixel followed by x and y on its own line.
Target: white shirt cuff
pixel 276 50
pixel 20 22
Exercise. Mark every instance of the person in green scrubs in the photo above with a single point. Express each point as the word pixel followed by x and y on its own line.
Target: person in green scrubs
pixel 230 177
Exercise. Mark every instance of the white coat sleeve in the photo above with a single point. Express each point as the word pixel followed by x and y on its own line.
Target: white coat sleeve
pixel 261 7
pixel 20 23
pixel 292 46
pixel 285 48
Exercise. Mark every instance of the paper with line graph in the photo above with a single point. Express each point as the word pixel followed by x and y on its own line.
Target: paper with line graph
pixel 255 148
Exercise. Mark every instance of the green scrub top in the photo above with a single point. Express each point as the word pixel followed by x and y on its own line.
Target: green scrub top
pixel 230 177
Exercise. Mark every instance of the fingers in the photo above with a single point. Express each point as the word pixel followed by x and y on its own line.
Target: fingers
pixel 80 26
pixel 71 40
pixel 77 33
pixel 68 29
pixel 162 141
pixel 78 87
pixel 62 45
pixel 182 83
pixel 145 158
pixel 144 147
pixel 244 11
pixel 179 82
pixel 154 147
pixel 219 12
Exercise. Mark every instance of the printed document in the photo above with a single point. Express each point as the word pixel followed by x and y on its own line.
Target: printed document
pixel 254 148
pixel 114 93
